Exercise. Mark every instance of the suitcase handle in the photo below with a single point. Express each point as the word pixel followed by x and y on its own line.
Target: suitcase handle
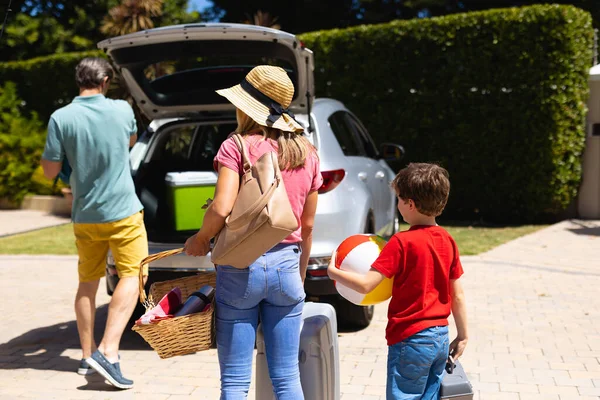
pixel 450 365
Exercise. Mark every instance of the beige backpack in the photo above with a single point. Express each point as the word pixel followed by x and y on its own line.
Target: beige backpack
pixel 261 216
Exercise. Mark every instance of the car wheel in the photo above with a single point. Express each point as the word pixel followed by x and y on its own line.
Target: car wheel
pixel 350 314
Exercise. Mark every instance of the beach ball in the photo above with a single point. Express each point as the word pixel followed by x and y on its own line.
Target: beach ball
pixel 357 253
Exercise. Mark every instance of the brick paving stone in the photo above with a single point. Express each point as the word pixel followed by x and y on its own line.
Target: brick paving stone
pixel 536 380
pixel 486 386
pixel 537 396
pixel 9 391
pixel 574 382
pixel 519 388
pixel 353 389
pixel 539 364
pixel 568 366
pixel 498 396
pixel 579 398
pixel 560 390
pixel 516 371
pixel 493 378
pixel 589 391
pixel 550 373
pixel 349 396
pixel 592 366
pixel 372 381
pixel 207 393
pixel 375 390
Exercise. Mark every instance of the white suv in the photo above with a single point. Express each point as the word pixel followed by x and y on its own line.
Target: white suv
pixel 172 74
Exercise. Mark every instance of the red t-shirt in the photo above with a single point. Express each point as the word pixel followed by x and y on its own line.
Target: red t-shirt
pixel 422 261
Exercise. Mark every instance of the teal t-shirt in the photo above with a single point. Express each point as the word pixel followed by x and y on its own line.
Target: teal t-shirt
pixel 93 133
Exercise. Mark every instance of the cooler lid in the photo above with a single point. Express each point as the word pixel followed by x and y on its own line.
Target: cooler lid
pixel 191 178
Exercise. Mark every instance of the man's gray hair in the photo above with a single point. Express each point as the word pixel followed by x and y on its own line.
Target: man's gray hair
pixel 90 72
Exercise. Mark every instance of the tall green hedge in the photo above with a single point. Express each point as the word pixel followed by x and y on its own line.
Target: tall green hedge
pixel 497 97
pixel 45 83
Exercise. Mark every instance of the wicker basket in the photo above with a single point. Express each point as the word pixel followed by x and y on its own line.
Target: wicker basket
pixel 181 335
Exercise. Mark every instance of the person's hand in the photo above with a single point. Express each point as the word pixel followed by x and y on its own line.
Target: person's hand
pixel 331 268
pixel 197 245
pixel 457 347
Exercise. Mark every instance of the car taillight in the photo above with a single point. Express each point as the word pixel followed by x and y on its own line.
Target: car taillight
pixel 317 266
pixel 317 273
pixel 331 179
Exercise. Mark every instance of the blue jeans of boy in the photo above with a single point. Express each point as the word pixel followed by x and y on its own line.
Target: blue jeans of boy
pixel 416 365
pixel 270 289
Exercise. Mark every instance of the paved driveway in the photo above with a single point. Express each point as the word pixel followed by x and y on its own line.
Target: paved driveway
pixel 534 309
pixel 19 221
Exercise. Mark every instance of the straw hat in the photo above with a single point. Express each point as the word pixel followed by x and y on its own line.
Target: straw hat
pixel 264 95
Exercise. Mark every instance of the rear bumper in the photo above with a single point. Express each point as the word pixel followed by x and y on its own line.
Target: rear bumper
pixel 316 284
pixel 172 266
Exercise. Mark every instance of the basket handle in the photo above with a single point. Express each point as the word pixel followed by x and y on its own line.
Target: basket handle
pixel 148 260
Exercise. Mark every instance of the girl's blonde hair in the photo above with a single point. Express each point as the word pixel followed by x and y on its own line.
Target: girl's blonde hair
pixel 293 148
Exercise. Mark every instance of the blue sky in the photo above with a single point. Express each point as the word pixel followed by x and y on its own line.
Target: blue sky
pixel 199 4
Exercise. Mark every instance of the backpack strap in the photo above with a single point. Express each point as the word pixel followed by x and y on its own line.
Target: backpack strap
pixel 240 143
pixel 254 209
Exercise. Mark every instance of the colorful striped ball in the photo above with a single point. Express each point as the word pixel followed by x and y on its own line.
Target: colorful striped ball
pixel 357 253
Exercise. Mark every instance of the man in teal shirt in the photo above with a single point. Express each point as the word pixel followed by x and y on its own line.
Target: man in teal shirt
pixel 94 135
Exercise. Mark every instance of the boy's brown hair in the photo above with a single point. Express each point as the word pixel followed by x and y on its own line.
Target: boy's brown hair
pixel 425 184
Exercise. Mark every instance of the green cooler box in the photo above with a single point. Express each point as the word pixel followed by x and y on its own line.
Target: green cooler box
pixel 187 192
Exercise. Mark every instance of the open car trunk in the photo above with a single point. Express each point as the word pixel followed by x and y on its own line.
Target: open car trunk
pixel 177 147
pixel 174 71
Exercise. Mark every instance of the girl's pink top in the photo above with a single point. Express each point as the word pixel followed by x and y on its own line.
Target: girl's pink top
pixel 298 182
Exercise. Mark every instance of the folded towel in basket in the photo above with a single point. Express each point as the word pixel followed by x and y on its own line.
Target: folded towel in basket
pixel 165 309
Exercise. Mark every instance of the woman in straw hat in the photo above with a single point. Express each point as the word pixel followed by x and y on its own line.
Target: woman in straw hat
pixel 272 287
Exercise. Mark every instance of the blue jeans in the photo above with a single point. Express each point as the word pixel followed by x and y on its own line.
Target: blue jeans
pixel 416 365
pixel 270 289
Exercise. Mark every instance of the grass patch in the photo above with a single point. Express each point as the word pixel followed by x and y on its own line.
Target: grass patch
pixel 476 238
pixel 471 239
pixel 58 240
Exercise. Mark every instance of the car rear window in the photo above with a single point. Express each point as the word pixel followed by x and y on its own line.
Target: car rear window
pixel 345 134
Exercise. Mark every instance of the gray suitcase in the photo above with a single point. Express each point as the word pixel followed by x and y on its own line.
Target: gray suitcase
pixel 318 357
pixel 456 385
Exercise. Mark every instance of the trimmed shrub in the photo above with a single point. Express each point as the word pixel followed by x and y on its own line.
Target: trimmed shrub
pixel 44 186
pixel 45 83
pixel 496 97
pixel 21 145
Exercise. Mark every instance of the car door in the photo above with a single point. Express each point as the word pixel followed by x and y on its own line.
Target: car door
pixel 357 155
pixel 377 177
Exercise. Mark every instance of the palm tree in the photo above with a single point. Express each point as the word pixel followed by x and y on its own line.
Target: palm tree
pixel 131 16
pixel 263 19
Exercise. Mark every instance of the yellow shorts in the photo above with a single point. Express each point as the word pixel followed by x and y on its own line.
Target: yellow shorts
pixel 126 239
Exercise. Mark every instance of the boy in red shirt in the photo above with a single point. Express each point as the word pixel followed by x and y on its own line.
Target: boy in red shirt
pixel 425 265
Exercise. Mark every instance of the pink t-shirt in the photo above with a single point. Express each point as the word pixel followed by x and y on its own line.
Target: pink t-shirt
pixel 298 182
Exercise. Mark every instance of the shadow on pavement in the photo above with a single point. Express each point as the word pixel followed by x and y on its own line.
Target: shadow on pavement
pixel 96 383
pixel 349 328
pixel 584 229
pixel 43 348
